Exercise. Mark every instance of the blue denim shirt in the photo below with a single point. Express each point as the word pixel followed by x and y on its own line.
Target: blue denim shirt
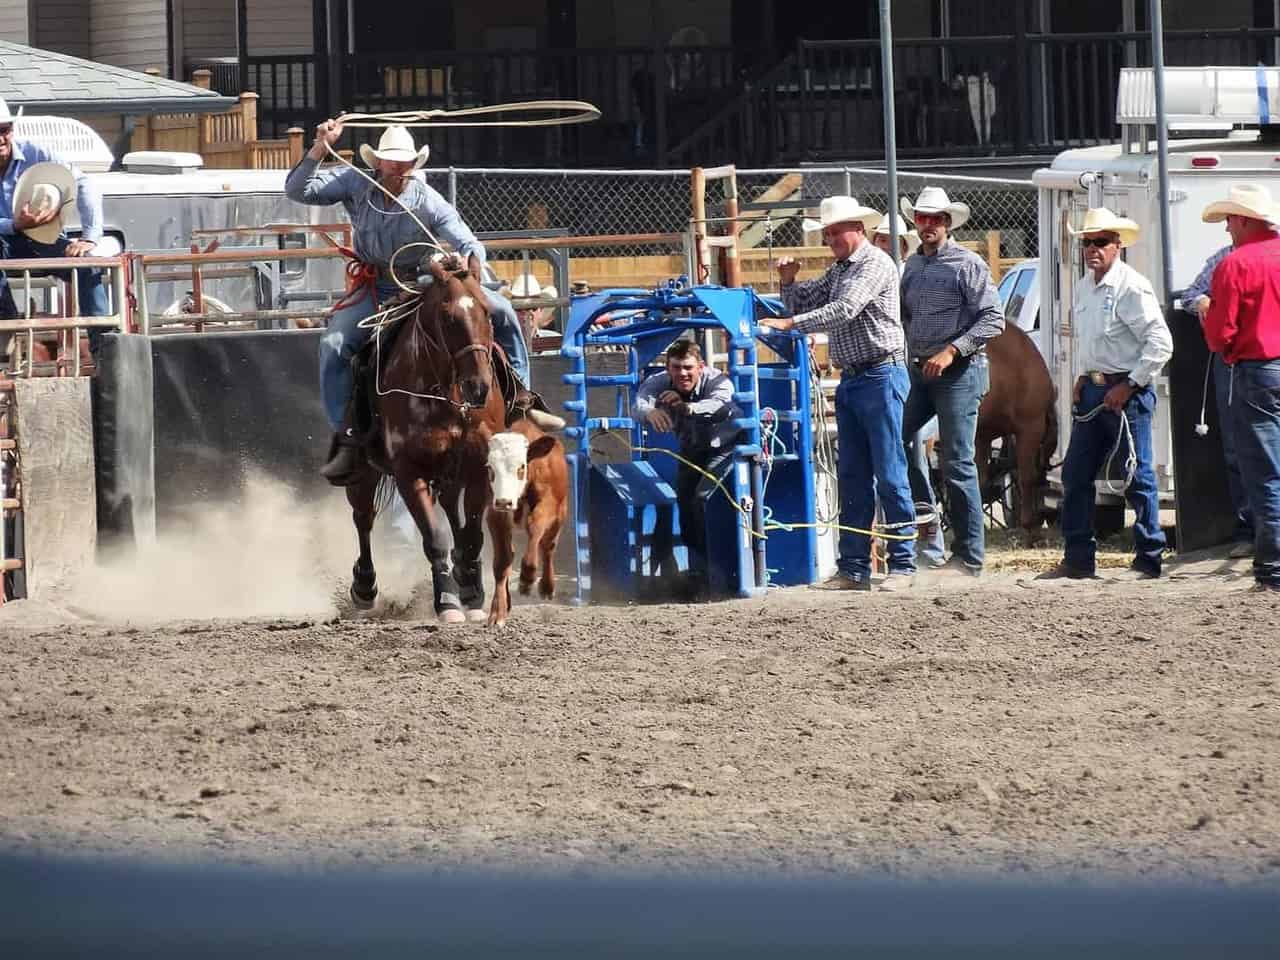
pixel 88 199
pixel 379 226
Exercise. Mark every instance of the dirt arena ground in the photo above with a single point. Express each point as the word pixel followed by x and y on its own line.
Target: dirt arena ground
pixel 1107 729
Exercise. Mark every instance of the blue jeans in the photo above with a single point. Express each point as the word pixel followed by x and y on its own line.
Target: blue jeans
pixel 93 295
pixel 344 338
pixel 1226 428
pixel 931 546
pixel 1091 443
pixel 954 399
pixel 1255 410
pixel 873 463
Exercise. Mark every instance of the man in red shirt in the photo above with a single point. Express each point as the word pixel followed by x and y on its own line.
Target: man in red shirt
pixel 1243 324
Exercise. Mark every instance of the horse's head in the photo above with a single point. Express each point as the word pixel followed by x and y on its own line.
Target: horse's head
pixel 465 329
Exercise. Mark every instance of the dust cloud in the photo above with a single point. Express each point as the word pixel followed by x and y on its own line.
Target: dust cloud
pixel 270 554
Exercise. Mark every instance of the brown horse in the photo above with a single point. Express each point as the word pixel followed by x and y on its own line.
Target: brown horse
pixel 437 404
pixel 1020 404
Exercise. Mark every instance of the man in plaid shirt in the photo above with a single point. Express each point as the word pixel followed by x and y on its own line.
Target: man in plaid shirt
pixel 856 304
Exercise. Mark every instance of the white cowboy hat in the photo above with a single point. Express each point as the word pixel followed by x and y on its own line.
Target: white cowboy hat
pixel 46 186
pixel 526 285
pixel 396 143
pixel 5 115
pixel 911 236
pixel 935 200
pixel 1250 200
pixel 1102 220
pixel 841 209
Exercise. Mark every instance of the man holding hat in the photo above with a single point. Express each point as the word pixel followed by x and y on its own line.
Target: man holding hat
pixel 1123 344
pixel 36 186
pixel 856 304
pixel 1243 324
pixel 381 227
pixel 951 309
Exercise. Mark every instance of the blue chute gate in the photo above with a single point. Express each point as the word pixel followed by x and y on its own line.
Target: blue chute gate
pixel 760 525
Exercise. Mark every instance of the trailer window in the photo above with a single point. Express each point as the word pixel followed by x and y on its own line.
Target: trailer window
pixel 1022 284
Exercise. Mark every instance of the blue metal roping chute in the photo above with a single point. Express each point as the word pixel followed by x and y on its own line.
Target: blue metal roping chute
pixel 761 532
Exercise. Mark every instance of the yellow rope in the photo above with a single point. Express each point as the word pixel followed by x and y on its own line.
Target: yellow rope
pixel 772 524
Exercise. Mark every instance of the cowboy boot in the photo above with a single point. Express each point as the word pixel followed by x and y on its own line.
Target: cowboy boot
pixel 346 454
pixel 533 408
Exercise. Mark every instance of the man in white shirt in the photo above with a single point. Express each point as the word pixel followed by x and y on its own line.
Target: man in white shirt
pixel 1123 343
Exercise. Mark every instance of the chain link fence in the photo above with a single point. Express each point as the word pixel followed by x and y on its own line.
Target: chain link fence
pixel 627 203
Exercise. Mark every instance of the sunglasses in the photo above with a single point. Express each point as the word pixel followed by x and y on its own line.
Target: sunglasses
pixel 6 129
pixel 1098 242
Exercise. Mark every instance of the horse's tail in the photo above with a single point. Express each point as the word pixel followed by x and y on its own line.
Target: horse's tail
pixel 385 491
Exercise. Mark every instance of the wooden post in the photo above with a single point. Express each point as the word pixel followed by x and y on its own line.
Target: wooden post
pixel 993 254
pixel 732 267
pixel 248 125
pixel 142 133
pixel 295 146
pixel 698 185
pixel 202 78
pixel 249 116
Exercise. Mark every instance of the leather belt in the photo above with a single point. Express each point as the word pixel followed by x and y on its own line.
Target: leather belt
pixel 858 369
pixel 1100 379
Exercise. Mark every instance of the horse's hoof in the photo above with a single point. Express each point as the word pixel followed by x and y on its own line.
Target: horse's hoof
pixel 526 587
pixel 496 621
pixel 453 615
pixel 362 602
pixel 546 590
pixel 476 616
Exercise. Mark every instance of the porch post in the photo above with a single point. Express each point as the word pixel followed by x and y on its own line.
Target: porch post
pixel 1022 85
pixel 333 60
pixel 242 42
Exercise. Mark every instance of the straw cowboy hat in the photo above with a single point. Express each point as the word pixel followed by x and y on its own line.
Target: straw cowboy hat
pixel 912 238
pixel 935 200
pixel 526 285
pixel 46 186
pixel 843 210
pixel 396 143
pixel 1250 200
pixel 1102 220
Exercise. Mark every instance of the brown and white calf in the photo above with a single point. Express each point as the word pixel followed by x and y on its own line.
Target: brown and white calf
pixel 530 480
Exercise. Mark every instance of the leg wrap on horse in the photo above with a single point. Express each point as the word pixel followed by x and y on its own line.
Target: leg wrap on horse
pixel 364 585
pixel 445 590
pixel 470 579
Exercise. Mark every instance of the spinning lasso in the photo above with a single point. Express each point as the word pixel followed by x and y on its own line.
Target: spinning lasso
pixel 571 112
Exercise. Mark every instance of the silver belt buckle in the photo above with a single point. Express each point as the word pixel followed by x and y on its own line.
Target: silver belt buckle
pixel 1098 378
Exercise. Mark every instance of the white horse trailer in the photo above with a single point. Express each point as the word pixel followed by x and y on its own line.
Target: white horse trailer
pixel 1216 103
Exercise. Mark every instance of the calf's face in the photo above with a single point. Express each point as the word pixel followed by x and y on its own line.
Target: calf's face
pixel 508 469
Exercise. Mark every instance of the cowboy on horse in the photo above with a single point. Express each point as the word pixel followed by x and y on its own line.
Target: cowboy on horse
pixel 387 217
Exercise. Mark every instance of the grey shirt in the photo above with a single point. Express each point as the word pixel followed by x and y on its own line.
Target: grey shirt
pixel 708 424
pixel 949 298
pixel 380 227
